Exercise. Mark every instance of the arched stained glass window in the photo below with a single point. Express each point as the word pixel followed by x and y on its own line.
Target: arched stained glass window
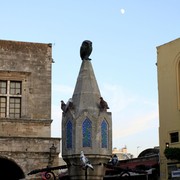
pixel 104 134
pixel 87 133
pixel 69 134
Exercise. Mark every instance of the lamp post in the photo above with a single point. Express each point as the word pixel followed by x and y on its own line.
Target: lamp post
pixel 52 153
pixel 167 145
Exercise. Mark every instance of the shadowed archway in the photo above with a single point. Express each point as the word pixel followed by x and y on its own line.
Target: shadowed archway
pixel 10 170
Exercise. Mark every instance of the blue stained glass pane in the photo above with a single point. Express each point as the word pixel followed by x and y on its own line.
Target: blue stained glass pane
pixel 69 134
pixel 87 133
pixel 104 134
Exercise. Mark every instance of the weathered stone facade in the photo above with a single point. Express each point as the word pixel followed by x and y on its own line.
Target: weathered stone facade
pixel 25 125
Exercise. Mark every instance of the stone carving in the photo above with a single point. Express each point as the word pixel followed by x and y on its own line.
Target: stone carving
pixel 85 50
pixel 63 106
pixel 66 106
pixel 103 105
pixel 70 104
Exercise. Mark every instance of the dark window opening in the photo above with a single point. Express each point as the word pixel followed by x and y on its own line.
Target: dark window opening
pixel 174 137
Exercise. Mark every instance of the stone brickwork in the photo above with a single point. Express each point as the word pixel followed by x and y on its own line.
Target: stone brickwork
pixel 26 140
pixel 25 128
pixel 30 63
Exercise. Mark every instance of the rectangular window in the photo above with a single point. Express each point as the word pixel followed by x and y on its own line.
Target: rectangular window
pixel 3 87
pixel 174 137
pixel 14 107
pixel 10 99
pixel 15 88
pixel 3 106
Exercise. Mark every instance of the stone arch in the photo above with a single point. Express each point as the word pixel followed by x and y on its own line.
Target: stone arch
pixel 10 169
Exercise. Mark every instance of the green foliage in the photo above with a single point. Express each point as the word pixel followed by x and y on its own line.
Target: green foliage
pixel 172 153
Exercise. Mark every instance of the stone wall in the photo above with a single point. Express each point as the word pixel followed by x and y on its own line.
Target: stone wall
pixel 27 140
pixel 30 63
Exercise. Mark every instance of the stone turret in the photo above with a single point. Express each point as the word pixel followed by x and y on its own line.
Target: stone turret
pixel 86 127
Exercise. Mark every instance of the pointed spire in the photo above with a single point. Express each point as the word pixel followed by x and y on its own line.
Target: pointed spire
pixel 86 95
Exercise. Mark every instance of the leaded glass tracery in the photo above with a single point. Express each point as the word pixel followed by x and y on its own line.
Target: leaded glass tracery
pixel 104 134
pixel 69 134
pixel 87 133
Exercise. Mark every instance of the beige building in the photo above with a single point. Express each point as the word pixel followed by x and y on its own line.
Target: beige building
pixel 25 109
pixel 168 66
pixel 122 153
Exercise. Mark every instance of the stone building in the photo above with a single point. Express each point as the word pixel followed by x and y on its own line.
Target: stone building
pixel 25 109
pixel 168 66
pixel 122 153
pixel 86 127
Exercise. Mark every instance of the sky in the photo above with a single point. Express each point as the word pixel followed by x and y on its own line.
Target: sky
pixel 125 34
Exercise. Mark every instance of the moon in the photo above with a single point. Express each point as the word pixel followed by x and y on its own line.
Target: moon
pixel 122 11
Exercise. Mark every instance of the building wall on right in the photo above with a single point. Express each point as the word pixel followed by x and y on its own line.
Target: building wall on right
pixel 168 69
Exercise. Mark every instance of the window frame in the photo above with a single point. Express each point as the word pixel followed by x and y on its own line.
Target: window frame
pixel 87 133
pixel 174 137
pixel 104 134
pixel 69 134
pixel 9 96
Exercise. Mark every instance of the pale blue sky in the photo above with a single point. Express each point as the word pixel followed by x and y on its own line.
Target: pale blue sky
pixel 123 57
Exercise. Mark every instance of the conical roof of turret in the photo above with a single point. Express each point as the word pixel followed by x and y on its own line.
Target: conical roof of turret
pixel 86 93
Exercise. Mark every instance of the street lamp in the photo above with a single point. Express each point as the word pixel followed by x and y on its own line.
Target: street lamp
pixel 52 154
pixel 167 145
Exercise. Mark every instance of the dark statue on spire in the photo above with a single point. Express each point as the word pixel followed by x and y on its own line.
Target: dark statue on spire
pixel 85 50
pixel 103 104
